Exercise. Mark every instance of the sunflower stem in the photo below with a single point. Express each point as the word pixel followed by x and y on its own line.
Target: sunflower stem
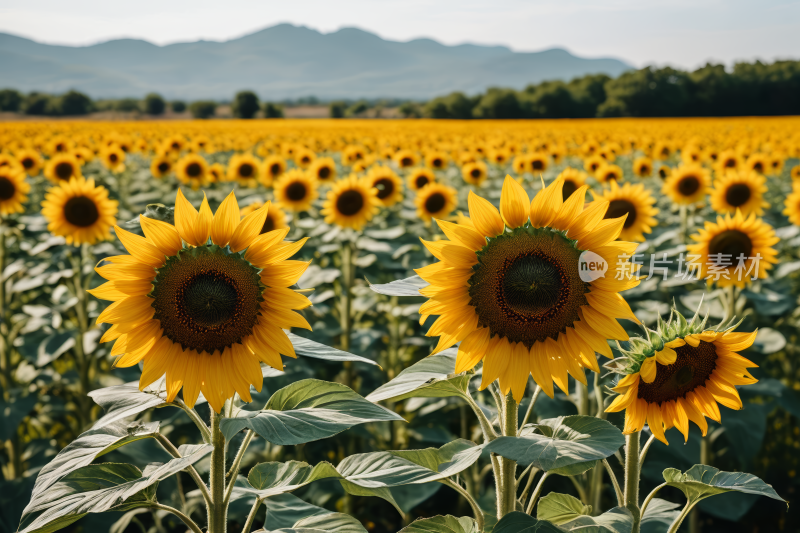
pixel 185 519
pixel 632 472
pixel 476 509
pixel 251 516
pixel 173 451
pixel 218 511
pixel 536 393
pixel 194 417
pixel 237 461
pixel 507 500
pixel 694 516
pixel 536 493
pixel 613 476
pixel 684 223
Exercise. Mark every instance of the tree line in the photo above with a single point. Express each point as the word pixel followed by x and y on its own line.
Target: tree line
pixel 747 89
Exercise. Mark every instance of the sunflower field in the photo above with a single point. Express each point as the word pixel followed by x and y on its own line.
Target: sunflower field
pixel 383 326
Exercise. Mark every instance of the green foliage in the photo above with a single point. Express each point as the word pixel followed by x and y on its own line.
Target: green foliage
pixel 272 110
pixel 203 109
pixel 336 109
pixel 357 108
pixel 154 104
pixel 178 106
pixel 245 104
pixel 410 110
pixel 10 100
pixel 127 105
pixel 455 105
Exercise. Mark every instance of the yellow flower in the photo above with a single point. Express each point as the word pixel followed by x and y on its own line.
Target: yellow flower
pixel 419 177
pixel 634 201
pixel 296 190
pixel 351 203
pixel 62 167
pixel 475 173
pixel 192 170
pixel 79 211
pixel 739 190
pixel 388 184
pixel 687 185
pixel 13 191
pixel 435 201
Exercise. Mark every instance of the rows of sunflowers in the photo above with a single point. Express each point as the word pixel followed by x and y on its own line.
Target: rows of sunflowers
pixel 416 326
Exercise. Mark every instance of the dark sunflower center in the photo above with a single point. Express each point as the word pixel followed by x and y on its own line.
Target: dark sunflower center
pixel 349 203
pixel 81 211
pixel 644 169
pixel 275 169
pixel 758 167
pixel 435 202
pixel 538 164
pixel 729 245
pixel 737 194
pixel 569 188
pixel 406 162
pixel 163 167
pixel 662 172
pixel 437 163
pixel 619 208
pixel 305 159
pixel 691 369
pixel 475 173
pixel 296 191
pixel 113 158
pixel 27 162
pixel 64 170
pixel 269 225
pixel 688 185
pixel 421 181
pixel 730 163
pixel 324 173
pixel 206 299
pixel 246 170
pixel 385 187
pixel 7 188
pixel 526 286
pixel 611 175
pixel 193 170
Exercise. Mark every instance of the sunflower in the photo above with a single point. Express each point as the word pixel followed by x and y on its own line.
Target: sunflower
pixel 353 154
pixel 734 250
pixel 217 173
pixel 296 190
pixel 687 184
pixel 388 184
pixel 9 161
pixel 62 167
pixel 244 169
pixel 83 154
pixel 161 166
pixel 592 163
pixel 113 158
pixel 324 169
pixel 634 201
pixel 436 160
pixel 758 162
pixel 795 172
pixel 521 164
pixel 537 162
pixel 573 180
pixel 203 313
pixel 679 374
pixel 728 160
pixel 511 292
pixel 273 168
pixel 405 158
pixel 276 219
pixel 643 167
pixel 475 173
pixel 351 203
pixel 435 201
pixel 739 190
pixel 13 191
pixel 419 178
pixel 79 211
pixel 192 170
pixel 608 173
pixel 304 157
pixel 31 161
pixel 792 207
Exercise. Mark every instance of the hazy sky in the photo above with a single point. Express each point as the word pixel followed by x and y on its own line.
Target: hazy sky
pixel 683 33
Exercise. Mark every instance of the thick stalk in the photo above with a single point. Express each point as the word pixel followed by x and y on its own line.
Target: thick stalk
pixel 582 391
pixel 694 517
pixel 218 511
pixel 476 509
pixel 508 499
pixel 632 472
pixel 345 310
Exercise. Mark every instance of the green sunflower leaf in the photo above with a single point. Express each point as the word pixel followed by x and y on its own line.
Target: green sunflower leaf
pixel 442 524
pixel 518 522
pixel 701 482
pixel 429 378
pixel 402 287
pixel 560 508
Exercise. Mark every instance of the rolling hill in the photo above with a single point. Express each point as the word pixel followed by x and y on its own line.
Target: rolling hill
pixel 284 61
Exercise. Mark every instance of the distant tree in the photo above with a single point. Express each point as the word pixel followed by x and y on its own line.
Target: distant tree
pixel 178 106
pixel 357 108
pixel 454 105
pixel 410 110
pixel 37 104
pixel 272 110
pixel 153 104
pixel 245 104
pixel 127 105
pixel 648 92
pixel 499 103
pixel 550 99
pixel 336 109
pixel 203 108
pixel 588 93
pixel 73 103
pixel 10 100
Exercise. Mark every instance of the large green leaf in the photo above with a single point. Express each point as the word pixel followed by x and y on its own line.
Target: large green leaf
pixel 561 508
pixel 84 450
pixel 306 411
pixel 402 287
pixel 331 523
pixel 269 479
pixel 410 467
pixel 309 348
pixel 429 378
pixel 124 401
pixel 104 487
pixel 442 524
pixel 616 520
pixel 560 442
pixel 659 515
pixel 518 522
pixel 285 510
pixel 701 481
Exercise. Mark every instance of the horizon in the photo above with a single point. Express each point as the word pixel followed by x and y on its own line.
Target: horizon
pixel 681 34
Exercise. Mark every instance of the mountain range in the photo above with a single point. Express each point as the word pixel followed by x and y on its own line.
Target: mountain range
pixel 284 61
